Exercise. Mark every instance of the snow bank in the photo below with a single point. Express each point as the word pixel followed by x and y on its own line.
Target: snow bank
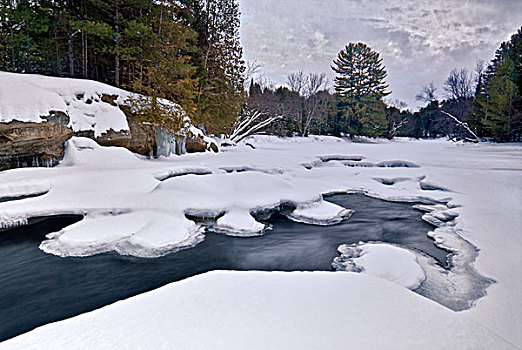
pixel 32 97
pixel 392 263
pixel 268 310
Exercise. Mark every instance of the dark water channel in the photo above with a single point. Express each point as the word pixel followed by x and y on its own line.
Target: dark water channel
pixel 38 288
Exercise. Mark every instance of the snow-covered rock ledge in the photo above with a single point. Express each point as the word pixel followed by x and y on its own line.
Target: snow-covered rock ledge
pixel 39 113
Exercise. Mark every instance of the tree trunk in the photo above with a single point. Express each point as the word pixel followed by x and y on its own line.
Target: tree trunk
pixel 84 54
pixel 117 56
pixel 70 53
pixel 70 48
pixel 58 64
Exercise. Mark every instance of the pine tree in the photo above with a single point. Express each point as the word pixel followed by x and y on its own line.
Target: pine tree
pixel 360 72
pixel 498 103
pixel 221 76
pixel 360 89
pixel 166 71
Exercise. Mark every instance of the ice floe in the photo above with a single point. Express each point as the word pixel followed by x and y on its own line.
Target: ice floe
pixel 320 213
pixel 387 261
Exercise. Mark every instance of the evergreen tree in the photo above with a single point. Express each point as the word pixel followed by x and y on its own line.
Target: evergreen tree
pixel 360 89
pixel 221 75
pixel 360 72
pixel 498 104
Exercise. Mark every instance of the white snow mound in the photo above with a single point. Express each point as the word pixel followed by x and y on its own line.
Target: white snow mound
pixel 320 213
pixel 387 261
pixel 32 97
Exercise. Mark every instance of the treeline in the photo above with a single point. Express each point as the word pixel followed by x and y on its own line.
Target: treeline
pixel 187 51
pixel 486 103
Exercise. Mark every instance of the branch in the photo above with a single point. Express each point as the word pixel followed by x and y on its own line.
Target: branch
pixel 396 128
pixel 238 137
pixel 244 124
pixel 462 125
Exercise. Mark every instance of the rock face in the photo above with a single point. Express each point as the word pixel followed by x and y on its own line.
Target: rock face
pixel 28 144
pixel 34 144
pixel 140 139
pixel 42 144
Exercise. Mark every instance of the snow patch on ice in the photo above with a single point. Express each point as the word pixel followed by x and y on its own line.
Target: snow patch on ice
pixel 182 172
pixel 390 181
pixel 359 164
pixel 457 287
pixel 142 234
pixel 387 261
pixel 320 213
pixel 237 222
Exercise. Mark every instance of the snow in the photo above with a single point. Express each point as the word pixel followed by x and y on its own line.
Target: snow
pixel 129 233
pixel 32 97
pixel 471 194
pixel 268 310
pixel 320 213
pixel 392 263
pixel 239 223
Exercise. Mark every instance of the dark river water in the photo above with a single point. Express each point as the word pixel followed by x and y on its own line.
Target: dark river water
pixel 38 288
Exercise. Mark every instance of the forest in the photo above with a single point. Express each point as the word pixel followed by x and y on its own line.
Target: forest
pixel 189 51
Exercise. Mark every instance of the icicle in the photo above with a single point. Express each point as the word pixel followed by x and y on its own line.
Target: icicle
pixel 12 223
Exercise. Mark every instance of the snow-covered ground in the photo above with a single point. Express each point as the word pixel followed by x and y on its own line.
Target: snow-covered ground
pixel 472 193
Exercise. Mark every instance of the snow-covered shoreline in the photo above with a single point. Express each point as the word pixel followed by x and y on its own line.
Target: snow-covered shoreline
pixel 113 186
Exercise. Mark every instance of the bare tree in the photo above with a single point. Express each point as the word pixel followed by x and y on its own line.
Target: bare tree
pixel 480 67
pixel 395 127
pixel 315 83
pixel 396 103
pixel 297 81
pixel 459 84
pixel 427 93
pixel 266 83
pixel 251 72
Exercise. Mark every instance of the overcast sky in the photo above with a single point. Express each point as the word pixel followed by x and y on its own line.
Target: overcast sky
pixel 419 40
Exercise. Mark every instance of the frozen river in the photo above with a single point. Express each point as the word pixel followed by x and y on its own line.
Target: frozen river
pixel 39 288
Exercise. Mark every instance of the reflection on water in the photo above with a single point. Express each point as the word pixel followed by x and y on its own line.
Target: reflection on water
pixel 37 288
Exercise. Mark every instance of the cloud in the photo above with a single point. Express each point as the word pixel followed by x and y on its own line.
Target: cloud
pixel 419 40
